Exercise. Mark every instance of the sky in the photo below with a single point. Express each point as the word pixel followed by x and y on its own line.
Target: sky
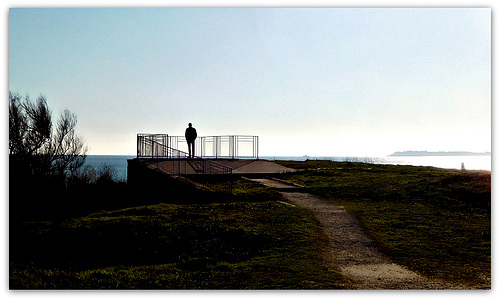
pixel 326 82
pixel 317 82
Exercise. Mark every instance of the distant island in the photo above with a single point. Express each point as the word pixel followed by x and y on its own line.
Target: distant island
pixel 440 153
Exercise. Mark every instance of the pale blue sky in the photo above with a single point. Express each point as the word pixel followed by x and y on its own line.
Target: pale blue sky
pixel 321 82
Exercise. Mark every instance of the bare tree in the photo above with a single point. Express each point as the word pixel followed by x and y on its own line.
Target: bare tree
pixel 38 146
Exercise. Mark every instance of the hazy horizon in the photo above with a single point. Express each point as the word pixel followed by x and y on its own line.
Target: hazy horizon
pixel 305 155
pixel 318 82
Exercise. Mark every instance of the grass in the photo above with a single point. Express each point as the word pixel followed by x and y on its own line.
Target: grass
pixel 251 241
pixel 434 221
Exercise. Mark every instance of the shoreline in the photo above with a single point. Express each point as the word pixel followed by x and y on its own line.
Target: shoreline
pixel 479 163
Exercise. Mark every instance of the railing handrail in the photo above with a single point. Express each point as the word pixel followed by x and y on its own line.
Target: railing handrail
pixel 222 146
pixel 175 153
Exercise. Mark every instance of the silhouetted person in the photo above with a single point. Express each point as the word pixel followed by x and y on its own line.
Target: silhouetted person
pixel 190 138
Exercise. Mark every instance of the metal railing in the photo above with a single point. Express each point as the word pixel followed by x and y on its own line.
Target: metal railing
pixel 153 146
pixel 228 146
pixel 203 166
pixel 174 161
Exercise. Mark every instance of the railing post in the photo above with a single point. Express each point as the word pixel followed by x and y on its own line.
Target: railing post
pixel 202 147
pixel 231 146
pixel 236 147
pixel 138 145
pixel 256 146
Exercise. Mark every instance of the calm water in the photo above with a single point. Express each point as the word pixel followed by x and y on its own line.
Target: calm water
pixel 119 162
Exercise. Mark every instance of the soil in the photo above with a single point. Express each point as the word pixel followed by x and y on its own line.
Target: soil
pixel 351 252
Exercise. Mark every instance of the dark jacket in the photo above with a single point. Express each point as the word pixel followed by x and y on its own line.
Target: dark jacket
pixel 190 134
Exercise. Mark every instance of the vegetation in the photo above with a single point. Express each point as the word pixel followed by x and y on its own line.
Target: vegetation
pixel 39 149
pixel 249 241
pixel 94 233
pixel 434 221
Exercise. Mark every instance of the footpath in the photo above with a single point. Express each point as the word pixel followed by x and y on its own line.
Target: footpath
pixel 350 252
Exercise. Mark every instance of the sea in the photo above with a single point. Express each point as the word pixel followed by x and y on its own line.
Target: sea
pixel 470 162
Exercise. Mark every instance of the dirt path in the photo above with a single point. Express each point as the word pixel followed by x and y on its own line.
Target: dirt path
pixel 350 251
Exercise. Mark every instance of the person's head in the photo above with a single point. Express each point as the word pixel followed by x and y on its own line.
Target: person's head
pixel 190 125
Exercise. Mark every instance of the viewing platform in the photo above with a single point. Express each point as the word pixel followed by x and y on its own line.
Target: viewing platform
pixel 215 157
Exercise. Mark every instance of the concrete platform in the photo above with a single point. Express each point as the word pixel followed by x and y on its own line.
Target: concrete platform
pixel 239 166
pixel 259 167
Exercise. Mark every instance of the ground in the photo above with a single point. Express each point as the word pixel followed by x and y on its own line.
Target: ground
pixel 350 251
